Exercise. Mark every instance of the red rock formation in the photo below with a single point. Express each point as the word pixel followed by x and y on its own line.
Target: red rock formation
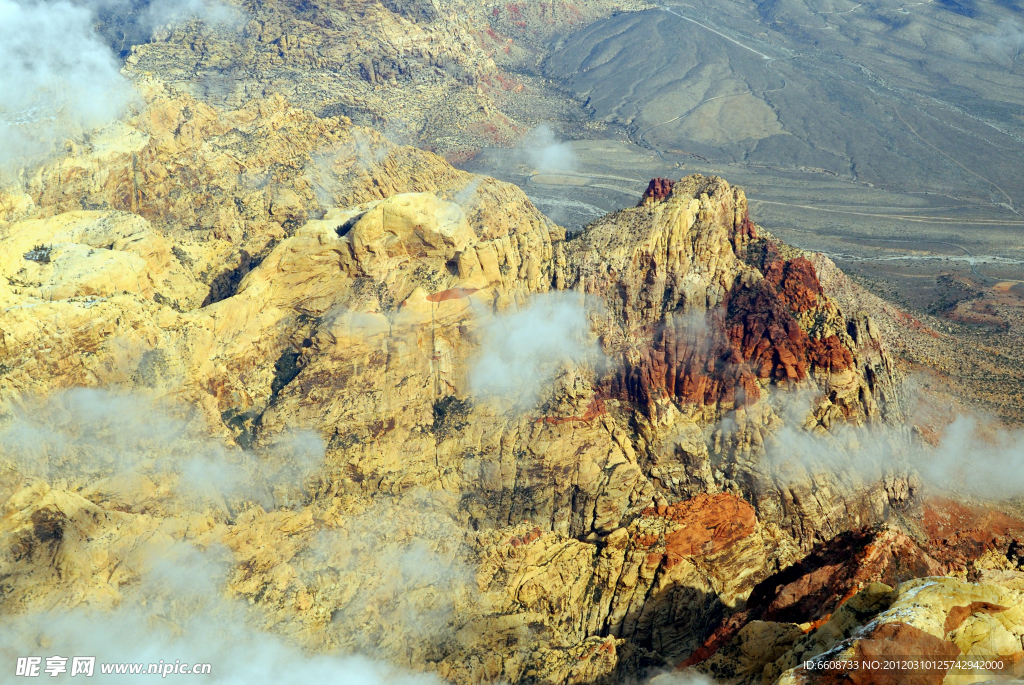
pixel 451 294
pixel 746 228
pixel 594 409
pixel 709 523
pixel 837 570
pixel 520 540
pixel 816 586
pixel 897 642
pixel 957 615
pixel 958 533
pixel 795 281
pixel 755 335
pixel 657 189
pixel 719 638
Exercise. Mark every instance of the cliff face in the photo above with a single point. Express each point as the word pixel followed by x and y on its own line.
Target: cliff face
pixel 609 512
pixel 714 320
pixel 722 309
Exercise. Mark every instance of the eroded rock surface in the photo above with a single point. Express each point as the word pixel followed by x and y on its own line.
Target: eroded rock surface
pixel 931 619
pixel 608 518
pixel 451 75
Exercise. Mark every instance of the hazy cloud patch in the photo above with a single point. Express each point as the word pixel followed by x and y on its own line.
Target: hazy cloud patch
pixel 178 612
pixel 61 77
pixel 169 11
pixel 393 575
pixel 521 352
pixel 971 455
pixel 545 152
pixel 687 677
pixel 82 436
pixel 330 170
pixel 404 572
pixel 468 197
pixel 58 79
pixel 976 458
pixel 1004 45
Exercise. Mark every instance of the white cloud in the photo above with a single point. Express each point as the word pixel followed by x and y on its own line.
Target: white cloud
pixel 546 153
pixel 688 677
pixel 979 459
pixel 177 613
pixel 521 352
pixel 403 567
pixel 58 78
pixel 1004 45
pixel 972 456
pixel 82 435
pixel 393 577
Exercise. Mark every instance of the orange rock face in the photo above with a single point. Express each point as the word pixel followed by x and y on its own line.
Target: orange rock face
pixel 657 189
pixel 957 615
pixel 959 533
pixel 898 641
pixel 709 524
pixel 754 335
pixel 834 571
pixel 819 583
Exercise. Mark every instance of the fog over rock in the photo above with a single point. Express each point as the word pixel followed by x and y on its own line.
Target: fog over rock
pixel 59 79
pixel 283 393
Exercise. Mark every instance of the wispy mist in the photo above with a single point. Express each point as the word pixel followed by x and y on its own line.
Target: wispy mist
pixel 58 79
pixel 396 573
pixel 178 612
pixel 688 677
pixel 329 169
pixel 1004 45
pixel 546 153
pixel 124 23
pixel 61 77
pixel 979 459
pixel 521 352
pixel 80 436
pixel 468 197
pixel 971 456
pixel 160 12
pixel 390 580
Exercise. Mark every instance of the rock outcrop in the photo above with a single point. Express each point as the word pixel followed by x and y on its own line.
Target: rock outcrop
pixel 808 592
pixel 608 519
pixel 723 309
pixel 968 536
pixel 407 416
pixel 930 620
pixel 446 75
pixel 657 189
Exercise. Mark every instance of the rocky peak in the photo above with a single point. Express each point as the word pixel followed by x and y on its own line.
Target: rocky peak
pixel 305 274
pixel 711 314
pixel 657 189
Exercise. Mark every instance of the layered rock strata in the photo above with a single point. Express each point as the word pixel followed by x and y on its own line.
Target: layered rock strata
pixel 610 522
